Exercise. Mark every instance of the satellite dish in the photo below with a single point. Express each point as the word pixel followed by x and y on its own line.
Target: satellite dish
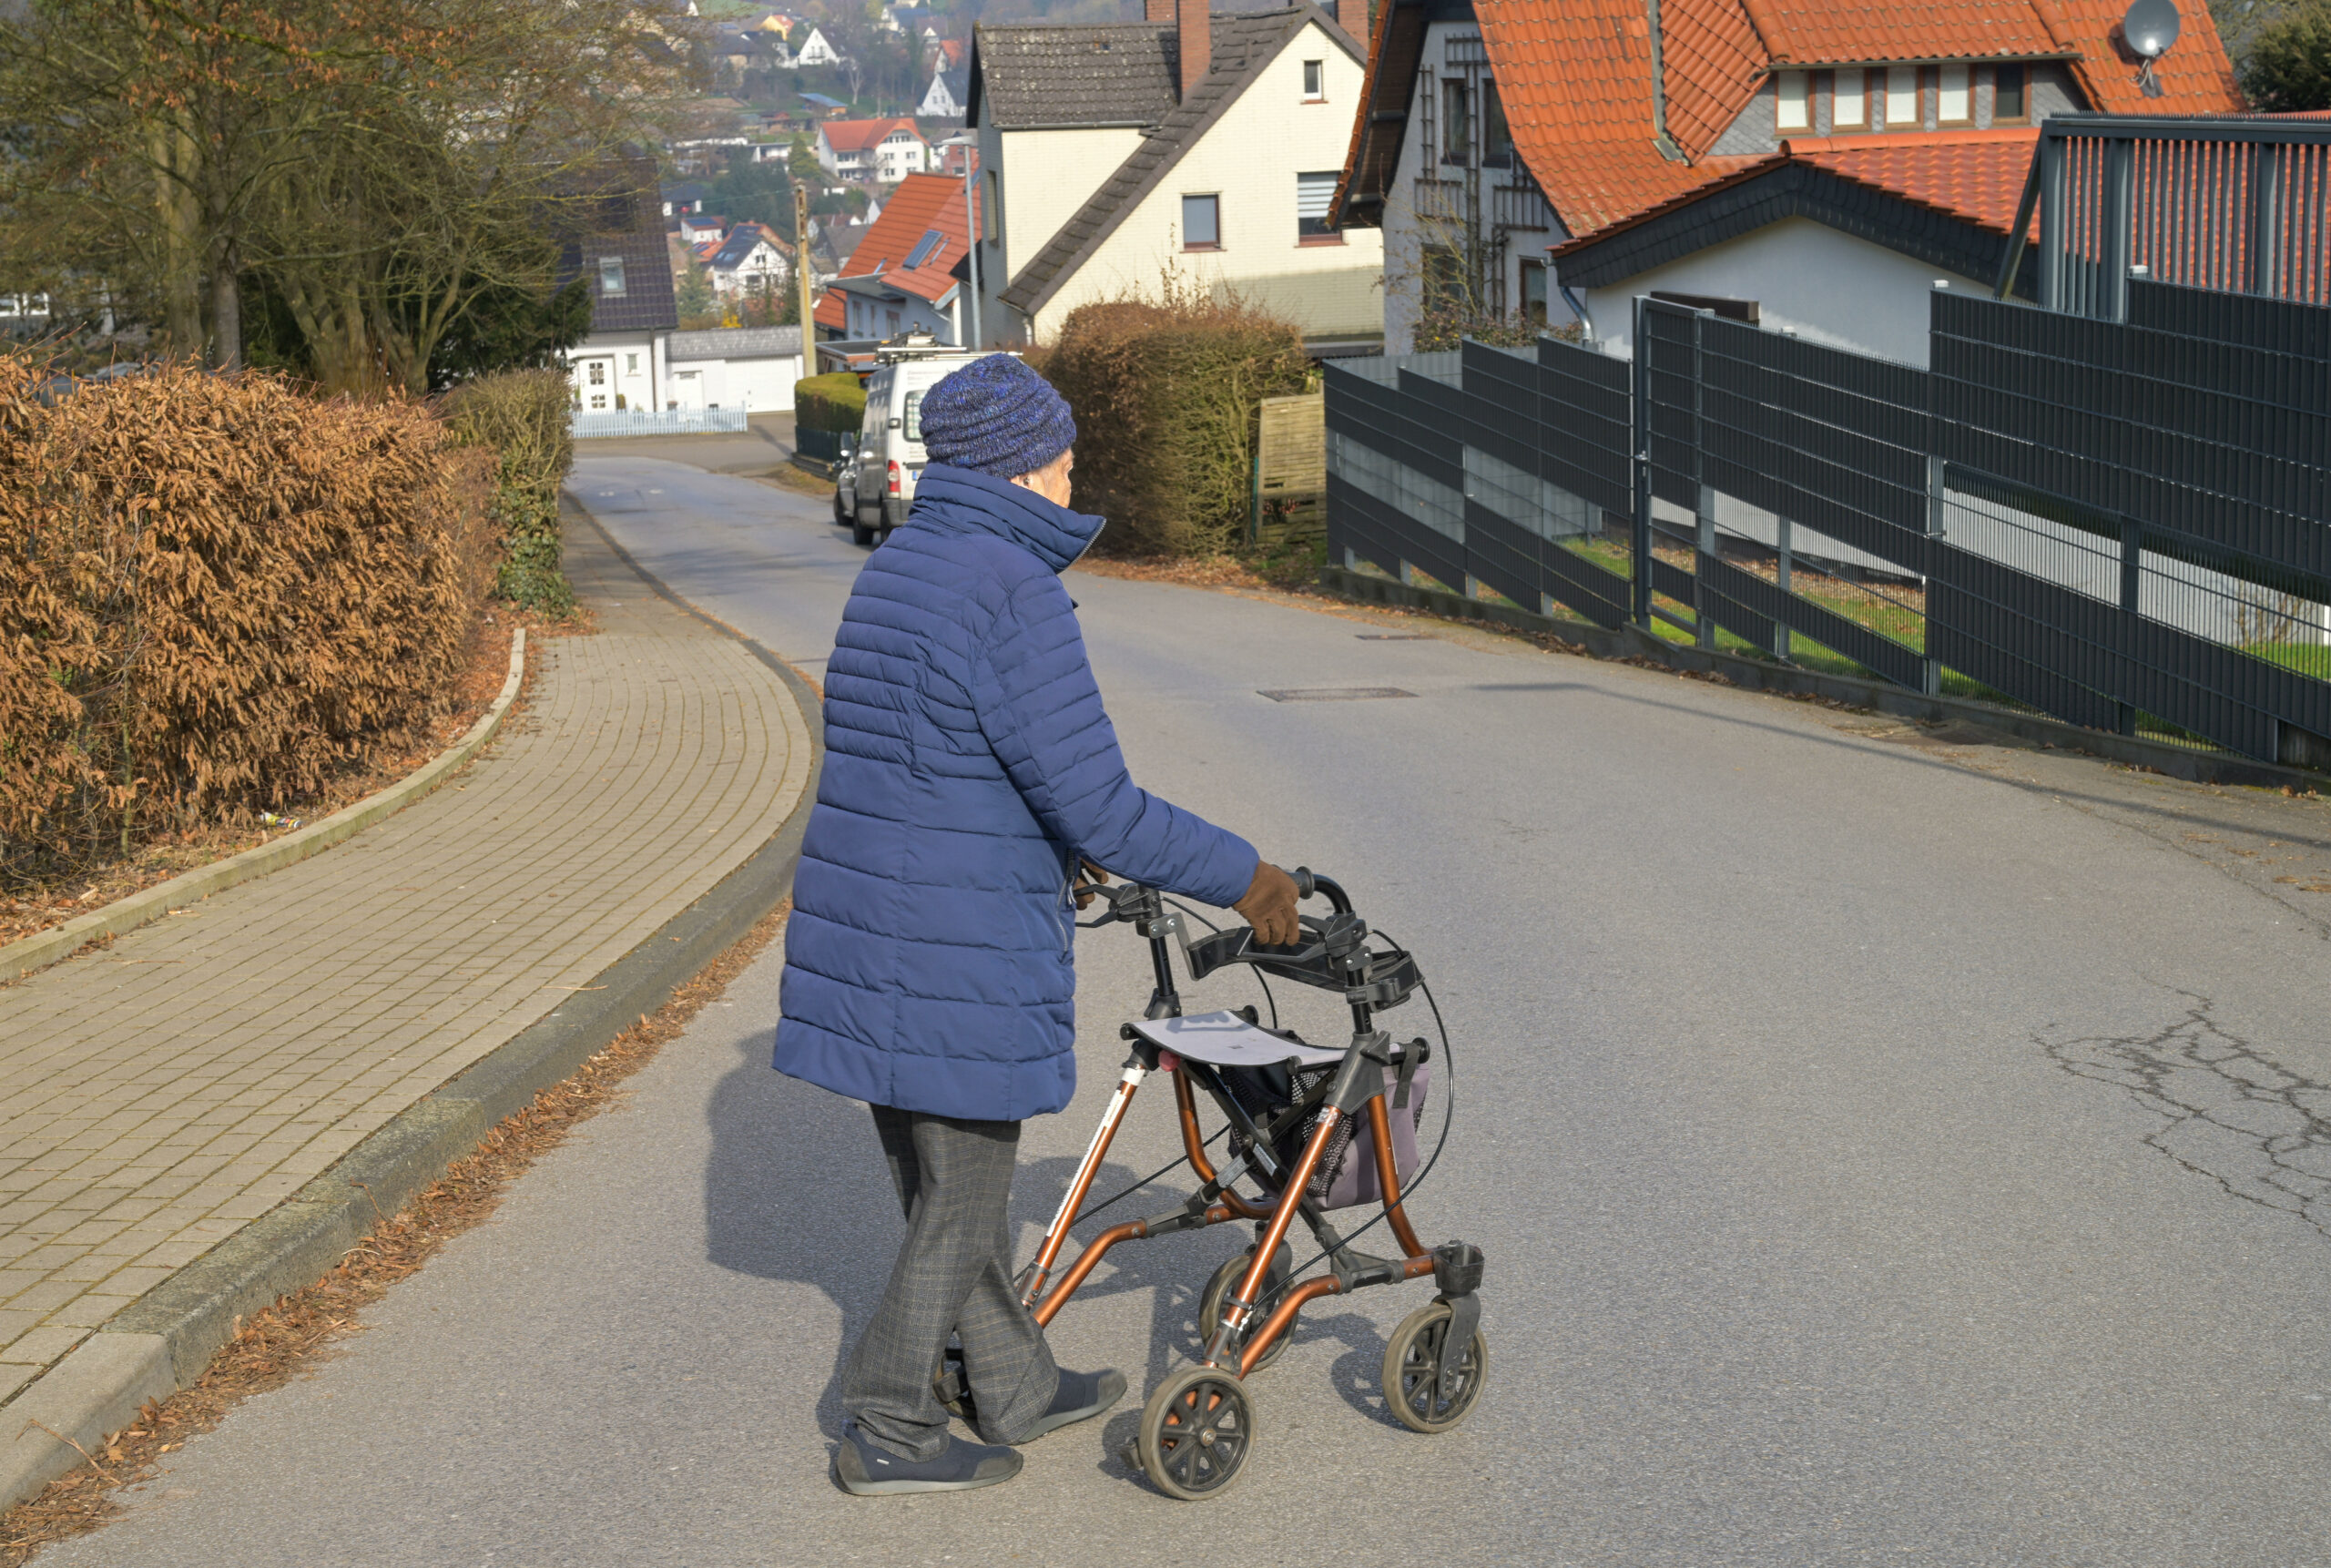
pixel 2149 30
pixel 2151 26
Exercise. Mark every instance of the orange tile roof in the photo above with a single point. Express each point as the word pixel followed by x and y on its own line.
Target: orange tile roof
pixel 1575 79
pixel 922 203
pixel 1974 174
pixel 862 136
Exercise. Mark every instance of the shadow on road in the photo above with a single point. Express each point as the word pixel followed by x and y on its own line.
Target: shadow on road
pixel 795 1189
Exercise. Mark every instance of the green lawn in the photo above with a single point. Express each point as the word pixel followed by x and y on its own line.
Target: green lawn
pixel 2307 658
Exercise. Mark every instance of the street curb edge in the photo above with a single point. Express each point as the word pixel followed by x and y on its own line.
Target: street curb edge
pixel 162 1341
pixel 41 949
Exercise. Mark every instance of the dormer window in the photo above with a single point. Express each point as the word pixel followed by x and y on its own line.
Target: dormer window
pixel 2007 96
pixel 1901 96
pixel 1848 101
pixel 1954 96
pixel 1792 109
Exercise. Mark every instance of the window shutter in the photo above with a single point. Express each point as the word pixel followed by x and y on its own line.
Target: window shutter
pixel 1313 192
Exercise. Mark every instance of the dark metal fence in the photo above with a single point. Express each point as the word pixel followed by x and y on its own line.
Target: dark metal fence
pixel 2118 523
pixel 2230 202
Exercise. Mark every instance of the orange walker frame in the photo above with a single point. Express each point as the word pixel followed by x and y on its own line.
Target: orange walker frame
pixel 1198 1427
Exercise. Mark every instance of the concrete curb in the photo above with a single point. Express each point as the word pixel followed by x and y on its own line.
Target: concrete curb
pixel 1632 642
pixel 37 952
pixel 162 1341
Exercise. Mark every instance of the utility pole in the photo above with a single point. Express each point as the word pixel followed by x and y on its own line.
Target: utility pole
pixel 801 277
pixel 973 224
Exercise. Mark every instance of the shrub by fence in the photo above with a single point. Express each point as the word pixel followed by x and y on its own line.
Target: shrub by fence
pixel 523 417
pixel 214 593
pixel 1167 395
pixel 834 401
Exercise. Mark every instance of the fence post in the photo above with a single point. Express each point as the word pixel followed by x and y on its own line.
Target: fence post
pixel 1639 547
pixel 2051 221
pixel 2264 249
pixel 2119 219
pixel 1782 645
pixel 1938 518
pixel 2133 546
pixel 1702 497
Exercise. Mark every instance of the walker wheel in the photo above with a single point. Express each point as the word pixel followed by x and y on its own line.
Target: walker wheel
pixel 1226 1279
pixel 1196 1434
pixel 1412 1372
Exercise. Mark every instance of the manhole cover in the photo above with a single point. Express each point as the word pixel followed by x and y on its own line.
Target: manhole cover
pixel 1335 693
pixel 1395 637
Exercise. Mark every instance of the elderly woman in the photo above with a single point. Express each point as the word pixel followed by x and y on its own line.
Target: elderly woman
pixel 930 962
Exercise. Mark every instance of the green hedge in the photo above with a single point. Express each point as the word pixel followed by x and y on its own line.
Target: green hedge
pixel 1166 396
pixel 523 416
pixel 835 402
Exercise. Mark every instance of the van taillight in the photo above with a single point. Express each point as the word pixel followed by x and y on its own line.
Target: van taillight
pixel 894 476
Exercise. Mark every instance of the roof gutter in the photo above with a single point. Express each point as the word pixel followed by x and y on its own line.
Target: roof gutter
pixel 1659 137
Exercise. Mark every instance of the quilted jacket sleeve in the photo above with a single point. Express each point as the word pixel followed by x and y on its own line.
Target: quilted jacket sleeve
pixel 1041 711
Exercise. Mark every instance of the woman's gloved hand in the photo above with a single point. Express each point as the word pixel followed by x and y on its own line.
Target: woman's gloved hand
pixel 1088 877
pixel 1270 907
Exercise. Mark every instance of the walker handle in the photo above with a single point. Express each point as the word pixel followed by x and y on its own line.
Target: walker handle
pixel 1309 881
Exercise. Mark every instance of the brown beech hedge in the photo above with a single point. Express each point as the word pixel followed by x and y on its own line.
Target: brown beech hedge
pixel 215 592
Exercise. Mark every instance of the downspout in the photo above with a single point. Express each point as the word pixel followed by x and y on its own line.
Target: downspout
pixel 1659 137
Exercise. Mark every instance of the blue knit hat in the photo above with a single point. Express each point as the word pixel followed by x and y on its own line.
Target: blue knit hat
pixel 997 416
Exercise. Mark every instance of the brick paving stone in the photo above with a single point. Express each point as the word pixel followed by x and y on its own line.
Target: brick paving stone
pixel 159 1095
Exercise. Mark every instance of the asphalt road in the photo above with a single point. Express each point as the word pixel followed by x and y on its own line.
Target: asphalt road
pixel 1880 1157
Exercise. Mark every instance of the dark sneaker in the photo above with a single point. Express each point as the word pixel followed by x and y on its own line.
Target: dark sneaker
pixel 1080 1398
pixel 866 1471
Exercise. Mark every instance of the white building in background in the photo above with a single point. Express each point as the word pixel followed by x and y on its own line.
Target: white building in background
pixel 1205 145
pixel 748 368
pixel 816 51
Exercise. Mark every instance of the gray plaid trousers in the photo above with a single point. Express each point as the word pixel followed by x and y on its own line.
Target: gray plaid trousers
pixel 952 1276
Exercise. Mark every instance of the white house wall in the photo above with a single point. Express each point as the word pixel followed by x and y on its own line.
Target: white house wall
pixel 1806 279
pixel 628 363
pixel 1249 158
pixel 1405 232
pixel 1042 178
pixel 756 385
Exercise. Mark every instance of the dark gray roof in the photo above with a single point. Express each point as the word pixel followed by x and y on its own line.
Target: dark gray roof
pixel 1244 43
pixel 738 343
pixel 1040 75
pixel 737 246
pixel 619 214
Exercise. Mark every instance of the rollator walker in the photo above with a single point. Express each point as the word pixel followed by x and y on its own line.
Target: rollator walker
pixel 1317 1128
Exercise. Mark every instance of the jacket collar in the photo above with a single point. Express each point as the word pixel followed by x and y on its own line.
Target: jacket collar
pixel 972 501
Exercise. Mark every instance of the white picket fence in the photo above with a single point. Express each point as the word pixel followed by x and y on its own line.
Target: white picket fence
pixel 659 422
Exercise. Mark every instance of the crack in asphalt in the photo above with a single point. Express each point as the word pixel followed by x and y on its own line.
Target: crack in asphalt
pixel 2228 1112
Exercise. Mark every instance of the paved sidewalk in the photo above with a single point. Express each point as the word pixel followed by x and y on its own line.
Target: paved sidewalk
pixel 156 1096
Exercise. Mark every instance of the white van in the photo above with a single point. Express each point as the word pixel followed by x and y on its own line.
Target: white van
pixel 880 488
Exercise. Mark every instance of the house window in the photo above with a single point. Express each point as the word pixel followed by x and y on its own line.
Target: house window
pixel 1202 223
pixel 1791 109
pixel 1533 293
pixel 1315 80
pixel 1954 98
pixel 1497 136
pixel 1456 122
pixel 631 365
pixel 1313 192
pixel 610 274
pixel 2007 96
pixel 1901 95
pixel 1848 101
pixel 991 211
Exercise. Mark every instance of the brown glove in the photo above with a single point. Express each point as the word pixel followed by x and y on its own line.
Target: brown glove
pixel 1269 906
pixel 1087 877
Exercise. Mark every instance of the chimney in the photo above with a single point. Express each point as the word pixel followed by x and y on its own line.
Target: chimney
pixel 1351 15
pixel 1197 41
pixel 1157 11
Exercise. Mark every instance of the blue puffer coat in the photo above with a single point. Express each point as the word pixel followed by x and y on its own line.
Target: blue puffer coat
pixel 929 964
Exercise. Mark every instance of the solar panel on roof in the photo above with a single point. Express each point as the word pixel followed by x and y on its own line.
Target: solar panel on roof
pixel 922 249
